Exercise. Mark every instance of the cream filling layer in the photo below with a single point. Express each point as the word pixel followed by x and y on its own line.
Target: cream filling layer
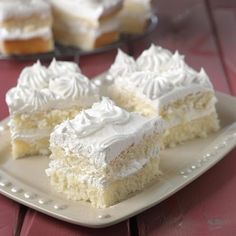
pixel 18 33
pixel 101 181
pixel 31 135
pixel 168 97
pixel 187 114
pixel 76 27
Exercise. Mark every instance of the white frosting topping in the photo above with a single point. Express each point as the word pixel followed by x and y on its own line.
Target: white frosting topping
pixel 41 89
pixel 153 59
pixel 72 85
pixel 101 114
pixel 159 76
pixel 58 68
pixel 25 8
pixel 18 33
pixel 35 76
pixel 89 9
pixel 103 132
pixel 122 66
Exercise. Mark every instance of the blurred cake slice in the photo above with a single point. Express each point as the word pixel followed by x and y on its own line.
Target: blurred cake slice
pixel 43 98
pixel 25 27
pixel 163 84
pixel 104 154
pixel 135 15
pixel 86 24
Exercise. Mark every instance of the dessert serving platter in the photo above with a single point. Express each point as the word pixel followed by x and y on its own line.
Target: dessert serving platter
pixel 24 180
pixel 61 51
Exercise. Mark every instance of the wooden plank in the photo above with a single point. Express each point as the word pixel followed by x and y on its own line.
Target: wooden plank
pixel 185 26
pixel 39 224
pixel 9 212
pixel 224 18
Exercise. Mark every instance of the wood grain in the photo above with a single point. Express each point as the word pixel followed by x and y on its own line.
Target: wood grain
pixel 224 18
pixel 39 224
pixel 205 207
pixel 9 212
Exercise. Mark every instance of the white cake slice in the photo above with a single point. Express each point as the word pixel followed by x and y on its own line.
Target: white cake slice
pixel 135 15
pixel 104 154
pixel 25 27
pixel 161 83
pixel 86 24
pixel 43 98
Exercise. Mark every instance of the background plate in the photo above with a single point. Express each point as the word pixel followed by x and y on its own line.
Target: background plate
pixel 66 51
pixel 24 180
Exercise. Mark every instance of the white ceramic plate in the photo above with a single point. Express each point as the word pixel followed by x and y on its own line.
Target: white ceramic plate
pixel 24 180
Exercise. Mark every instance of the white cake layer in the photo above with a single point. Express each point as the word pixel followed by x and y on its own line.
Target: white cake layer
pixel 18 33
pixel 101 180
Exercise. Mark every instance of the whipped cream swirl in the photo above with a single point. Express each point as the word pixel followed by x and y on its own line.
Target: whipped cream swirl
pixel 58 68
pixel 39 89
pixel 35 77
pixel 101 114
pixel 153 59
pixel 73 85
pixel 24 99
pixel 159 73
pixel 123 65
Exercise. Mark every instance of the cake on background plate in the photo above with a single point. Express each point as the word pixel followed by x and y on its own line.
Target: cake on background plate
pixel 161 83
pixel 43 98
pixel 86 24
pixel 25 27
pixel 135 15
pixel 104 154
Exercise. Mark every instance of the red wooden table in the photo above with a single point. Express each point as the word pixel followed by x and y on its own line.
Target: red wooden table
pixel 205 32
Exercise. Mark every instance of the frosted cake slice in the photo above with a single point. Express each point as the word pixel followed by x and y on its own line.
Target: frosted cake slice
pixel 25 27
pixel 43 98
pixel 104 154
pixel 86 24
pixel 135 15
pixel 163 84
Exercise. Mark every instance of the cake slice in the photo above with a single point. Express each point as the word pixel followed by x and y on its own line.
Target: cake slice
pixel 25 27
pixel 104 154
pixel 86 24
pixel 42 99
pixel 163 84
pixel 135 15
